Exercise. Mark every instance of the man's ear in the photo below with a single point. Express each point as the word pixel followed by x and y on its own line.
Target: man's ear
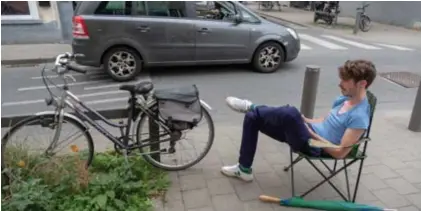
pixel 362 83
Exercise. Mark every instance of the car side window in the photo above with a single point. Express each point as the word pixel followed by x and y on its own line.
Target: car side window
pixel 248 17
pixel 166 8
pixel 114 8
pixel 215 10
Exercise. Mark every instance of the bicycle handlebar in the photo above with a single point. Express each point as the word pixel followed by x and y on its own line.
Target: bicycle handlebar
pixel 363 7
pixel 63 60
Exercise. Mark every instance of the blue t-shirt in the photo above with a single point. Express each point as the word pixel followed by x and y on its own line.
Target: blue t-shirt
pixel 335 124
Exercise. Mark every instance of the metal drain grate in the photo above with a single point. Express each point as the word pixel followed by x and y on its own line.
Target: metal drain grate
pixel 405 79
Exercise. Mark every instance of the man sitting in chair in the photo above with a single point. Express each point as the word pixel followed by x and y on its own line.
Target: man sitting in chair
pixel 343 126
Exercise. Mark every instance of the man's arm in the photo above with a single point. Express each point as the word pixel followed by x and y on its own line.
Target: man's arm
pixel 351 137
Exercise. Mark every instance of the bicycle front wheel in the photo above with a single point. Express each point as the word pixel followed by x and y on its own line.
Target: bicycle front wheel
pixel 365 23
pixel 30 144
pixel 184 155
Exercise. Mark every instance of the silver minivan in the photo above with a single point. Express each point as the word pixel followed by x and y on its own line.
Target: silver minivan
pixel 126 36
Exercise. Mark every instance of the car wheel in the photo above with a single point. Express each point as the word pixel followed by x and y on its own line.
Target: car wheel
pixel 122 64
pixel 268 57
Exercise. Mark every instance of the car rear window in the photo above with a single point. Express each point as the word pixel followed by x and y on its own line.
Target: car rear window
pixel 114 8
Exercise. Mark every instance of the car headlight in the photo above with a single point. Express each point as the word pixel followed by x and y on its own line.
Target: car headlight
pixel 293 33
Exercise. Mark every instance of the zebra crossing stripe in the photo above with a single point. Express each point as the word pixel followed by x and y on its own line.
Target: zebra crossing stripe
pixel 395 47
pixel 305 47
pixel 349 42
pixel 321 42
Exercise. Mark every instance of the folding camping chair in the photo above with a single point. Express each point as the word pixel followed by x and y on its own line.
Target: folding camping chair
pixel 355 155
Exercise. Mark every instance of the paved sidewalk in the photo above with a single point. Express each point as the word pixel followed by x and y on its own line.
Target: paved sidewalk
pixel 391 177
pixel 378 33
pixel 31 54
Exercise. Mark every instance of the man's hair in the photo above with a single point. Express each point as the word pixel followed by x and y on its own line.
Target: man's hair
pixel 358 70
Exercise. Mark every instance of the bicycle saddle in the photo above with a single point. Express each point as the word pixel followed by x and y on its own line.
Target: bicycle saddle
pixel 140 88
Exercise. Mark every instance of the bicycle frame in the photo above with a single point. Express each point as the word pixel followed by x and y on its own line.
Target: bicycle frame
pixel 135 110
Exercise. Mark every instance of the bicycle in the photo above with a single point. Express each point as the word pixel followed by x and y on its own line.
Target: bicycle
pixel 364 22
pixel 153 104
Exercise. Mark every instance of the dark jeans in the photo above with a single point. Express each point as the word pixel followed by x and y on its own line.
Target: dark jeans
pixel 283 123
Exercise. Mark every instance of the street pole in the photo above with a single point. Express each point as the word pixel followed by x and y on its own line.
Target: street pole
pixel 357 19
pixel 308 97
pixel 415 121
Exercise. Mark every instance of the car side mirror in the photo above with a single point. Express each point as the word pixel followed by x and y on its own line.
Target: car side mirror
pixel 238 18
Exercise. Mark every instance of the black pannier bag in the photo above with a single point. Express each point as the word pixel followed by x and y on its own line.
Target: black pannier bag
pixel 180 107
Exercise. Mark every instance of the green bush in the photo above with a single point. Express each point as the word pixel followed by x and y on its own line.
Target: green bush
pixel 63 183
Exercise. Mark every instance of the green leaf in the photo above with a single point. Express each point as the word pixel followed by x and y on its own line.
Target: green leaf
pixel 101 200
pixel 111 209
pixel 119 204
pixel 110 194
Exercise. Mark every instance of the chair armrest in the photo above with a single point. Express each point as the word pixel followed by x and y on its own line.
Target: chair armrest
pixel 326 144
pixel 322 144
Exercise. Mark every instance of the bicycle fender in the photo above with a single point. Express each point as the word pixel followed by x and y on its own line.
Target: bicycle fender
pixel 206 105
pixel 68 115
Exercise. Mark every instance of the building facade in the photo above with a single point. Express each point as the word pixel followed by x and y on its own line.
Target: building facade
pixel 33 22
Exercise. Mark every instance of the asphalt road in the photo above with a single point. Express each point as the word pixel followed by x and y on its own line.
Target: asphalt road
pixel 23 91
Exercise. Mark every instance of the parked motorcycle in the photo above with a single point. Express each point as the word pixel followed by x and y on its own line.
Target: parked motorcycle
pixel 326 11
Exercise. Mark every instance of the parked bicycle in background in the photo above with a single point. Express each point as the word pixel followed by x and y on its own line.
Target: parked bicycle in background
pixel 364 22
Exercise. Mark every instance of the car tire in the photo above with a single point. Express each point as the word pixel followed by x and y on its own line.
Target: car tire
pixel 259 66
pixel 122 64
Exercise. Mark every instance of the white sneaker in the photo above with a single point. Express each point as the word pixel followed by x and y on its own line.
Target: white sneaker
pixel 239 105
pixel 234 171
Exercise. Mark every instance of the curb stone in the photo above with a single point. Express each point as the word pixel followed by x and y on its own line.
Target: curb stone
pixel 282 19
pixel 27 61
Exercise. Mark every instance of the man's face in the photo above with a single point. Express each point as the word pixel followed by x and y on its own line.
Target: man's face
pixel 348 87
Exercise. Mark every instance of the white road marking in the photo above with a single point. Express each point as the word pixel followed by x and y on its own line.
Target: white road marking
pixel 305 47
pixel 321 42
pixel 349 42
pixel 26 102
pixel 395 47
pixel 105 86
pixel 22 102
pixel 52 86
pixel 93 102
pixel 75 74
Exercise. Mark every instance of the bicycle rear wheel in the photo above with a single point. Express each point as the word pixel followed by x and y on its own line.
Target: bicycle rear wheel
pixel 15 155
pixel 365 23
pixel 179 145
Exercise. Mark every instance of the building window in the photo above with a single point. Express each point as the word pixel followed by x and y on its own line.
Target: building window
pixel 19 10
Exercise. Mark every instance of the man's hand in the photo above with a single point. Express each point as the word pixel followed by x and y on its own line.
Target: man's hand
pixel 305 119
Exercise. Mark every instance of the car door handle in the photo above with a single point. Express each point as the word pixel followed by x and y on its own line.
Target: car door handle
pixel 143 28
pixel 203 30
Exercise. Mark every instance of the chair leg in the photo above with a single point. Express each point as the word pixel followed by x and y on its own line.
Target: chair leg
pixel 358 180
pixel 292 172
pixel 347 181
pixel 286 168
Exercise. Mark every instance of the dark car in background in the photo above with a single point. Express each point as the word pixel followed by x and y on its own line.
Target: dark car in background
pixel 126 36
